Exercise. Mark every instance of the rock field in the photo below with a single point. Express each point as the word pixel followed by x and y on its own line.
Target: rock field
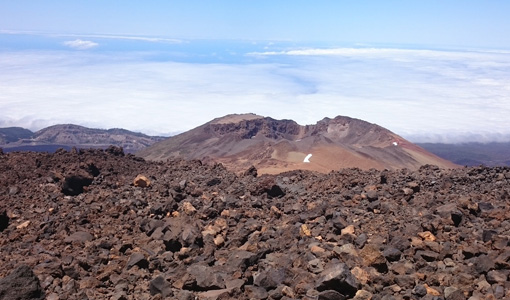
pixel 84 225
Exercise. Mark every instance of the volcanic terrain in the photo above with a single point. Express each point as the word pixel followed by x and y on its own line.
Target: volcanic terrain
pixel 274 146
pixel 99 224
pixel 67 136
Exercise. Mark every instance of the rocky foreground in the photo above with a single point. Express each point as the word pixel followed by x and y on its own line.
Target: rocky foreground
pixel 84 225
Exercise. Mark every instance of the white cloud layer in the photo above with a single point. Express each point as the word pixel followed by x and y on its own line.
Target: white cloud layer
pixel 80 44
pixel 423 95
pixel 130 37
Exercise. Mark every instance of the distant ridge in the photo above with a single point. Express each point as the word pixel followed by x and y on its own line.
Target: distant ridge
pixel 472 154
pixel 68 135
pixel 274 146
pixel 14 134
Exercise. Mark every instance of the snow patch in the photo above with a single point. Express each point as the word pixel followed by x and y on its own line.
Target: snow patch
pixel 395 144
pixel 307 158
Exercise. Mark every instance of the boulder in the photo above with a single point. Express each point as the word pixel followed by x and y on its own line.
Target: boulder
pixel 4 221
pixel 339 278
pixel 141 181
pixel 373 257
pixel 159 285
pixel 269 279
pixel 21 284
pixel 137 259
pixel 74 184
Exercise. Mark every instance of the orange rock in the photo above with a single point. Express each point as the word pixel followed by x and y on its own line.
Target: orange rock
pixel 427 236
pixel 141 181
pixel 317 250
pixel 416 241
pixel 188 208
pixel 276 211
pixel 219 240
pixel 432 291
pixel 304 231
pixel 361 275
pixel 347 230
pixel 23 225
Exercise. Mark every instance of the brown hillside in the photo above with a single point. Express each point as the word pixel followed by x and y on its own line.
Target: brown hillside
pixel 275 146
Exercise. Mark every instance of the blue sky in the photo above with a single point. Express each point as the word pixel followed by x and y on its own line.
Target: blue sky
pixel 427 70
pixel 432 22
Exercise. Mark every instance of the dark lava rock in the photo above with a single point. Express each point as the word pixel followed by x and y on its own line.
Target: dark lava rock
pixel 484 264
pixel 392 254
pixel 372 195
pixel 242 259
pixel 339 278
pixel 79 236
pixel 275 191
pixel 206 278
pixel 4 221
pixel 137 259
pixel 115 151
pixel 269 279
pixel 428 255
pixel 21 284
pixel 160 286
pixel 487 235
pixel 202 232
pixel 456 295
pixel 331 295
pixel 419 290
pixel 252 171
pixel 373 257
pixel 255 292
pixel 213 182
pixel 74 184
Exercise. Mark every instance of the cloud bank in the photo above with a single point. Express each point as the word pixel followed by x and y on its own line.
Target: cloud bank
pixel 423 95
pixel 80 44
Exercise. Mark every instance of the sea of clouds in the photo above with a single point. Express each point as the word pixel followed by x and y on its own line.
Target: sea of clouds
pixel 423 95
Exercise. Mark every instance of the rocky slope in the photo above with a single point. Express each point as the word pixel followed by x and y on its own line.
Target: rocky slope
pixel 84 225
pixel 274 146
pixel 68 136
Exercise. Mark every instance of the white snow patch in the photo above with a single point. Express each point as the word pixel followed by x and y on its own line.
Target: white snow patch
pixel 307 158
pixel 395 144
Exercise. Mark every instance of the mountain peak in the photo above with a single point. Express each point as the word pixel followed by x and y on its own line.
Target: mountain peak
pixel 274 146
pixel 236 118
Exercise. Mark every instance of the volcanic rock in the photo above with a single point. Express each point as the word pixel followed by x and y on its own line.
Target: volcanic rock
pixel 79 236
pixel 74 184
pixel 21 284
pixel 339 278
pixel 374 258
pixel 200 230
pixel 270 279
pixel 4 221
pixel 160 286
pixel 137 259
pixel 141 181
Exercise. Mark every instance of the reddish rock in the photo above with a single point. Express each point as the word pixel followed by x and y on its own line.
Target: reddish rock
pixel 141 181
